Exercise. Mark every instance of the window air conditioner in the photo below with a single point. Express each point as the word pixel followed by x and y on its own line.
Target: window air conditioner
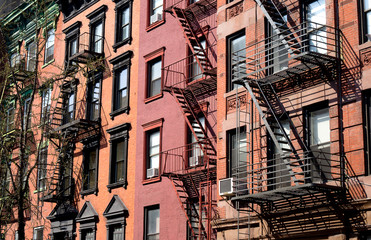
pixel 226 187
pixel 156 17
pixel 152 172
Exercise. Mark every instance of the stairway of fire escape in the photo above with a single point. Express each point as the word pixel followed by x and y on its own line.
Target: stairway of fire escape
pixel 193 185
pixel 308 203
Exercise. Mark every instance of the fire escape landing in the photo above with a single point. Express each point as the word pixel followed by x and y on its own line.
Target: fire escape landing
pixel 300 190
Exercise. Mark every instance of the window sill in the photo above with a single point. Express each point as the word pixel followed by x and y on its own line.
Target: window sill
pixel 119 111
pixel 155 25
pixel 116 185
pixel 151 180
pixel 48 63
pixel 89 191
pixel 150 99
pixel 121 43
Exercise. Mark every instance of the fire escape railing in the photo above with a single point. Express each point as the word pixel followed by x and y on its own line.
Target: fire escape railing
pixel 317 46
pixel 180 73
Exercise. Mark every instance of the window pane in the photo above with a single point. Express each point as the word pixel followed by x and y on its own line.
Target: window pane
pixel 320 127
pixel 317 12
pixel 153 221
pixel 120 150
pixel 367 4
pixel 156 70
pixel 123 79
pixel 368 16
pixel 237 47
pixel 156 87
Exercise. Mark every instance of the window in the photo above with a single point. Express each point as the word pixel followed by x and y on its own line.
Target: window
pixel 365 6
pixel 42 169
pixel 118 161
pixel 31 56
pixel 152 223
pixel 123 23
pixel 121 86
pixel 155 11
pixel 194 69
pixel 315 13
pixel 69 107
pixel 27 113
pixel 121 82
pixel 277 56
pixel 119 148
pixel 46 103
pixel 237 150
pixel 87 234
pixel 93 109
pixel 16 236
pixel 367 130
pixel 97 37
pixel 116 232
pixel 195 152
pixel 38 233
pixel 10 115
pixel 49 46
pixel 318 137
pixel 154 77
pixel 90 168
pixel 278 175
pixel 236 57
pixel 15 60
pixel 153 153
pixel 66 172
pixel 72 41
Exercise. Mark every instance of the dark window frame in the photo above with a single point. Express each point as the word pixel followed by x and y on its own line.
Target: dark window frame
pixel 72 33
pixel 119 64
pixel 230 38
pixel 97 17
pixel 49 58
pixel 149 78
pixel 46 94
pixel 146 220
pixel 42 168
pixel 119 8
pixel 118 134
pixel 88 148
pixel 37 229
pixel 95 78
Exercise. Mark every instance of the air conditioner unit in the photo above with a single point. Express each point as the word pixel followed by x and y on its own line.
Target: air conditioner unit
pixel 226 187
pixel 152 172
pixel 156 17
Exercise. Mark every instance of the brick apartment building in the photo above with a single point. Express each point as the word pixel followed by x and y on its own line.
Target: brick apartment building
pixel 141 106
pixel 293 119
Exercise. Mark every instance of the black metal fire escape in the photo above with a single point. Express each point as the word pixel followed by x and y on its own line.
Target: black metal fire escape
pixel 315 197
pixel 69 123
pixel 194 183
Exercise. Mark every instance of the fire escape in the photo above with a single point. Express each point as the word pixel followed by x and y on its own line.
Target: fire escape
pixel 69 121
pixel 191 81
pixel 300 190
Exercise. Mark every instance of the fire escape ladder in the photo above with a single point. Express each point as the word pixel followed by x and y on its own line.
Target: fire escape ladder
pixel 188 104
pixel 274 12
pixel 186 20
pixel 188 196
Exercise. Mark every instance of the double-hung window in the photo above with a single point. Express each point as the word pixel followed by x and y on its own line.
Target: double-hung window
pixel 46 103
pixel 97 37
pixel 69 107
pixel 10 115
pixel 93 106
pixel 72 41
pixel 119 153
pixel 152 223
pixel 15 60
pixel 121 88
pixel 154 77
pixel 156 7
pixel 38 233
pixel 90 168
pixel 49 46
pixel 123 23
pixel 153 153
pixel 27 113
pixel 236 57
pixel 31 56
pixel 42 169
pixel 315 13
